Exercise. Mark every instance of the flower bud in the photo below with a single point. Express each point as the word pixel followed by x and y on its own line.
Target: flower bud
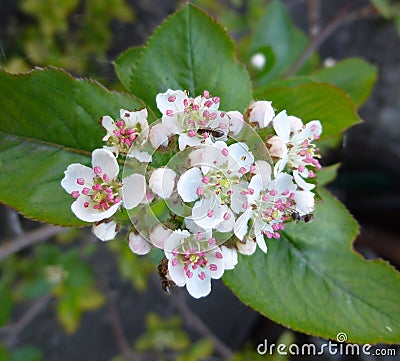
pixel 277 147
pixel 260 113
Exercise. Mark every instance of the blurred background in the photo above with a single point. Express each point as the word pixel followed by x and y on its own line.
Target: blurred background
pixel 66 296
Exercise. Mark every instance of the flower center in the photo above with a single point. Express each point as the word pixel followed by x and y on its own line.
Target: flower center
pixel 102 192
pixel 124 136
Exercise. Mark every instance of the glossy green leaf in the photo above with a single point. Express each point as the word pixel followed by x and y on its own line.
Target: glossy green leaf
pixel 49 120
pixel 276 29
pixel 355 76
pixel 190 51
pixel 322 101
pixel 126 64
pixel 383 6
pixel 312 281
pixel 327 174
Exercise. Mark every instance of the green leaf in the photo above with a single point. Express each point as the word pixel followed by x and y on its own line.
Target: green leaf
pixel 355 76
pixel 327 174
pixel 276 30
pixel 310 101
pixel 312 281
pixel 49 120
pixel 190 51
pixel 126 64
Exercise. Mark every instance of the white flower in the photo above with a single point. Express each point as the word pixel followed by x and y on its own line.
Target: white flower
pixel 128 134
pixel 105 230
pixel 196 120
pixel 190 265
pixel 294 148
pixel 158 235
pixel 98 191
pixel 159 135
pixel 260 112
pixel 162 182
pixel 268 205
pixel 258 61
pixel 214 181
pixel 230 257
pixel 138 244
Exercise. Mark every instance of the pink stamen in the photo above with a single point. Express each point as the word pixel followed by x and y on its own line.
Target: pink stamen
pixel 245 205
pixel 206 114
pixel 222 126
pixel 206 179
pixel 218 255
pixel 80 181
pixel 242 170
pixel 210 213
pixel 215 100
pixel 172 98
pixel 225 152
pixel 252 169
pixel 208 103
pixel 97 187
pixel 86 204
pixel 120 123
pixel 200 191
pixel 191 133
pixel 97 170
pixel 174 262
pixel 105 177
pixel 286 192
pixel 265 197
pixel 251 191
pixel 206 94
pixel 277 235
pixel 227 216
pixel 268 234
pixel 273 192
pixel 212 241
pixel 117 200
pixel 169 112
pixel 213 267
pixel 75 194
pixel 213 116
pixel 202 276
pixel 85 191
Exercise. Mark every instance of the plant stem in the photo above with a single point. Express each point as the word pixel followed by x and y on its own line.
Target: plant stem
pixel 29 238
pixel 336 22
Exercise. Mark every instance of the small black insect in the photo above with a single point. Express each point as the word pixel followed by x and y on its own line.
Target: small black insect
pixel 166 283
pixel 307 218
pixel 214 133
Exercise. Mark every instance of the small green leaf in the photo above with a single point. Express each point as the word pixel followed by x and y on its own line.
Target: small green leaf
pixel 190 51
pixel 276 30
pixel 327 174
pixel 49 120
pixel 126 64
pixel 355 76
pixel 89 299
pixel 68 313
pixel 310 101
pixel 312 281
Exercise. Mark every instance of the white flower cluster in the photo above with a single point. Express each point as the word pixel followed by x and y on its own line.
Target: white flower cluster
pixel 233 199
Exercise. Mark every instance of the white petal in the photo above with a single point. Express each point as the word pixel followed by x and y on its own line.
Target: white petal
pixel 201 215
pixel 304 202
pixel 237 199
pixel 313 128
pixel 188 184
pixel 158 235
pixel 301 182
pixel 159 135
pixel 280 165
pixel 236 122
pixel 261 242
pixel 295 124
pixel 195 286
pixel 174 241
pixel 256 184
pixel 247 248
pixel 216 263
pixel 264 169
pixel 195 229
pixel 176 271
pixel 278 147
pixel 108 123
pixel 90 214
pixel 140 117
pixel 163 104
pixel 172 124
pixel 134 190
pixel 105 231
pixel 241 224
pixel 240 156
pixel 282 183
pixel 186 141
pixel 226 225
pixel 138 244
pixel 162 182
pixel 106 160
pixel 141 156
pixel 230 257
pixel 73 172
pixel 282 126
